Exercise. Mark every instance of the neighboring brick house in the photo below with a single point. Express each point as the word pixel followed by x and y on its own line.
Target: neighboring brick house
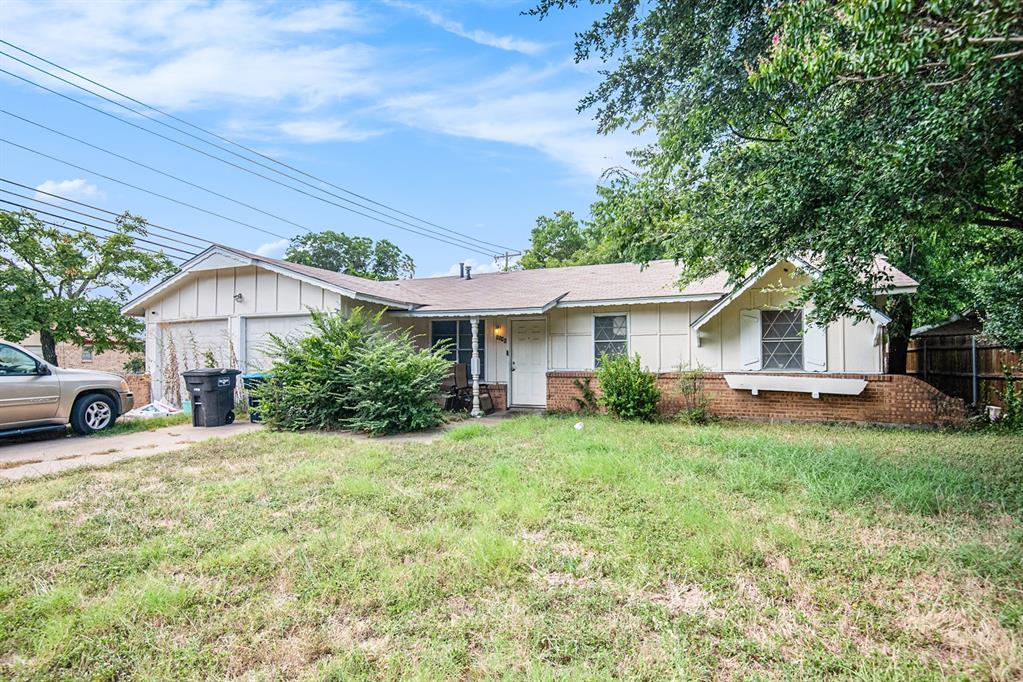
pixel 84 357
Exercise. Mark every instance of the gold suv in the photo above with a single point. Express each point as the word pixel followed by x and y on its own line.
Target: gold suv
pixel 36 396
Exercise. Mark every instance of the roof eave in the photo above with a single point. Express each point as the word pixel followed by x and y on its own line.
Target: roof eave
pixel 136 306
pixel 876 315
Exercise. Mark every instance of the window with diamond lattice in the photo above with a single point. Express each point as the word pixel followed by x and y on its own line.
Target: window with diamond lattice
pixel 610 335
pixel 782 339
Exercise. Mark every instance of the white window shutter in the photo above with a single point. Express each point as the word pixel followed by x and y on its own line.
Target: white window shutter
pixel 749 339
pixel 815 346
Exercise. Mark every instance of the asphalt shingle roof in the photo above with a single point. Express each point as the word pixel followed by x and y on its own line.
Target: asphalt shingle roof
pixel 535 289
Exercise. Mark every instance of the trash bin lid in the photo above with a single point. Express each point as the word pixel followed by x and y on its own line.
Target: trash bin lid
pixel 210 371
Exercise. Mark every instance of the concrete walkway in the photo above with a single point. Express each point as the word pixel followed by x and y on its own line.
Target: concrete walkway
pixel 54 455
pixel 41 457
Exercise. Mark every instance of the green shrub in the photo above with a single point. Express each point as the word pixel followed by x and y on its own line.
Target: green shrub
pixel 351 373
pixel 1012 401
pixel 695 401
pixel 307 389
pixel 394 385
pixel 627 391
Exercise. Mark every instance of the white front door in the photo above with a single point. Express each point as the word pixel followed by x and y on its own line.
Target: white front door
pixel 529 362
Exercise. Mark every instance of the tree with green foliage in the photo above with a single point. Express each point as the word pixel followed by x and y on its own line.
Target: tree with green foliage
pixel 359 256
pixel 845 128
pixel 69 287
pixel 554 242
pixel 562 239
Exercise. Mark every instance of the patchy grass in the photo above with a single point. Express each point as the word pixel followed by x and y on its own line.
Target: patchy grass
pixel 135 425
pixel 527 550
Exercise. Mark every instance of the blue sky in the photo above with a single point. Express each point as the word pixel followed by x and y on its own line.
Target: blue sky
pixel 463 113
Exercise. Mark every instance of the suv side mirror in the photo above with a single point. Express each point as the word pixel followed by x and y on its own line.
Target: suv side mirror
pixel 42 369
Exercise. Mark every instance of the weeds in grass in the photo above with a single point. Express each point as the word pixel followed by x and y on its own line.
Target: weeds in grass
pixel 526 550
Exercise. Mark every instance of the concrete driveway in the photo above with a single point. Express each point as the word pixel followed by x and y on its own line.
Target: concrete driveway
pixel 40 457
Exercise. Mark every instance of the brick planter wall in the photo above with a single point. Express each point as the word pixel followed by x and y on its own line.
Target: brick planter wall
pixel 139 384
pixel 887 399
pixel 499 394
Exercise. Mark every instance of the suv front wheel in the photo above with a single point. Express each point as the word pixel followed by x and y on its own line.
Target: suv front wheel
pixel 93 413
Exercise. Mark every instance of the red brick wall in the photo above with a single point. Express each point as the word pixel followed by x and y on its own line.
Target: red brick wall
pixel 887 399
pixel 139 385
pixel 499 394
pixel 70 356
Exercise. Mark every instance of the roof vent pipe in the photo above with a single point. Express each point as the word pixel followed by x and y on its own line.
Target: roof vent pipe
pixel 468 272
pixel 461 270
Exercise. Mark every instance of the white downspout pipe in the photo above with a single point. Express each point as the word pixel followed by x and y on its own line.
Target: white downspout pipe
pixel 474 321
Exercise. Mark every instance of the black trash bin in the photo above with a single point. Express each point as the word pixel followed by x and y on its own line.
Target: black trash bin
pixel 251 380
pixel 212 394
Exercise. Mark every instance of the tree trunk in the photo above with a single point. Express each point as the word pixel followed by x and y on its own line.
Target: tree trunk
pixel 900 309
pixel 49 346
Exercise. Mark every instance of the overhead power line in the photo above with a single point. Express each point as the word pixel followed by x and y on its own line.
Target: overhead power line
pixel 61 226
pixel 231 142
pixel 96 227
pixel 110 221
pixel 155 170
pixel 242 168
pixel 447 232
pixel 103 210
pixel 142 189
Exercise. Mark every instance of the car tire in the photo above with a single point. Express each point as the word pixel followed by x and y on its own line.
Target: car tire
pixel 93 413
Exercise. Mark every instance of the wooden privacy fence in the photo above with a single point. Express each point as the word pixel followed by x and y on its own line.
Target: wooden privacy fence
pixel 965 366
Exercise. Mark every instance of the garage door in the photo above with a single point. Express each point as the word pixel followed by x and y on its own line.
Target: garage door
pixel 189 345
pixel 257 337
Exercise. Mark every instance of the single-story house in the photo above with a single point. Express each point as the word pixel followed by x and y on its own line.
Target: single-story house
pixel 539 331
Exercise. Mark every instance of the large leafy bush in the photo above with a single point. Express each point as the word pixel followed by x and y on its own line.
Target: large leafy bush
pixel 627 391
pixel 307 389
pixel 394 386
pixel 352 373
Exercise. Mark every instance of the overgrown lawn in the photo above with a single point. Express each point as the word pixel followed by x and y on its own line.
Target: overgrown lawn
pixel 527 550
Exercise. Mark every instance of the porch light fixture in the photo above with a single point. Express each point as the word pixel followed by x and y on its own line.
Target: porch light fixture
pixel 238 298
pixel 499 333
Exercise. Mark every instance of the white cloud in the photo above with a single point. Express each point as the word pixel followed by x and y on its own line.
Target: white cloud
pixel 477 267
pixel 325 130
pixel 522 108
pixel 183 54
pixel 78 188
pixel 273 249
pixel 480 37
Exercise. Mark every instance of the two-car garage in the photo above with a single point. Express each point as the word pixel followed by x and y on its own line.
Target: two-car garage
pixel 221 309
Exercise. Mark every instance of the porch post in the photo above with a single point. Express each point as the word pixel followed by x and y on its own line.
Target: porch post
pixel 475 322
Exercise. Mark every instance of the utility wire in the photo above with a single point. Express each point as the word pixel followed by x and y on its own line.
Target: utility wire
pixel 227 140
pixel 102 238
pixel 247 170
pixel 155 170
pixel 416 229
pixel 95 227
pixel 103 210
pixel 142 189
pixel 92 217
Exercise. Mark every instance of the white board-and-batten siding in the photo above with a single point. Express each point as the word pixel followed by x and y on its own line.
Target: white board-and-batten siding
pixel 211 293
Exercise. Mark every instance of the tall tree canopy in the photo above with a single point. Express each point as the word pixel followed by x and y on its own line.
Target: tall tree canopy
pixel 846 128
pixel 358 256
pixel 70 287
pixel 562 239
